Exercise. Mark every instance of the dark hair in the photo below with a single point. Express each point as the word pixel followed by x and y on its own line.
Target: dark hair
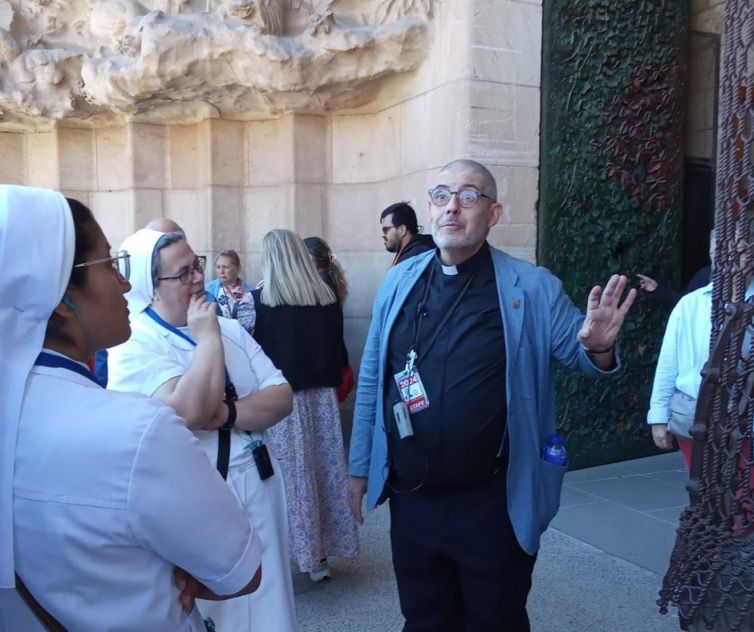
pixel 231 254
pixel 403 214
pixel 85 229
pixel 168 239
pixel 325 262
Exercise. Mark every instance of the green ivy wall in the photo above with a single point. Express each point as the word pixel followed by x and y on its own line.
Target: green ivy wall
pixel 613 97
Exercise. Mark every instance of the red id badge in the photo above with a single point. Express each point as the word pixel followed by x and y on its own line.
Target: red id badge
pixel 412 390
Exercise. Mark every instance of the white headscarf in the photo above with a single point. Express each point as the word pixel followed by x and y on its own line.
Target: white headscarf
pixel 37 245
pixel 140 246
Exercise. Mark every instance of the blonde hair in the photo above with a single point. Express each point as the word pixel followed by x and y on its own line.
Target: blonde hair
pixel 290 277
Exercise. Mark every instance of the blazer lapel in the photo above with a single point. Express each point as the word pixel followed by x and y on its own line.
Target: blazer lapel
pixel 512 305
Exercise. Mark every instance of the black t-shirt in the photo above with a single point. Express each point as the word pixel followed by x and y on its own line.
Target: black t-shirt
pixel 456 439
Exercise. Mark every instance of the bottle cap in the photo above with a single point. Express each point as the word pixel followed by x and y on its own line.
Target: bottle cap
pixel 555 439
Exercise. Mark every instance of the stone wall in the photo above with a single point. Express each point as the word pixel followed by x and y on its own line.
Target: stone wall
pixel 707 21
pixel 474 93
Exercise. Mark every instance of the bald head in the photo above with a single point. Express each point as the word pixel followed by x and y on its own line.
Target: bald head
pixel 164 225
pixel 490 186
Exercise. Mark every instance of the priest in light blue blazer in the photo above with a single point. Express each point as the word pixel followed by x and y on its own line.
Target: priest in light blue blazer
pixel 455 402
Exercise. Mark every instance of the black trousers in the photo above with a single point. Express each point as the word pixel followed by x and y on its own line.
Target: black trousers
pixel 457 562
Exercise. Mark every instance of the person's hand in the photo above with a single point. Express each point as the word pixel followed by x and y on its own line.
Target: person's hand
pixel 648 284
pixel 202 318
pixel 189 587
pixel 357 487
pixel 662 438
pixel 605 314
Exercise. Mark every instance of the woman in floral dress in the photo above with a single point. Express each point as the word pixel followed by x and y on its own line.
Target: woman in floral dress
pixel 299 325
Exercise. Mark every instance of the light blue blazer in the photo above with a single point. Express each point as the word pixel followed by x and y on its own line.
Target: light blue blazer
pixel 540 325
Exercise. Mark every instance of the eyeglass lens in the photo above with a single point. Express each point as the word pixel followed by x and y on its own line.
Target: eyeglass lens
pixel 466 198
pixel 197 266
pixel 122 264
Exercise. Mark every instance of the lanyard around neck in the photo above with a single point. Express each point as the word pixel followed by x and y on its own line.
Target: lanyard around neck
pixel 61 362
pixel 163 323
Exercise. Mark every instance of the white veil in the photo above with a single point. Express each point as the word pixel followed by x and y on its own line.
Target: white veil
pixel 37 244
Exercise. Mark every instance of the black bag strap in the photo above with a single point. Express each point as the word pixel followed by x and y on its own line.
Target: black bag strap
pixel 223 436
pixel 223 451
pixel 49 622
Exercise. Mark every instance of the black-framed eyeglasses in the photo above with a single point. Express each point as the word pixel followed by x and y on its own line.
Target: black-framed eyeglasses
pixel 186 275
pixel 121 262
pixel 387 229
pixel 440 196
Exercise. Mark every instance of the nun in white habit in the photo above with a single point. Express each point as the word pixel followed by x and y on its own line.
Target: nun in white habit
pixel 102 494
pixel 181 353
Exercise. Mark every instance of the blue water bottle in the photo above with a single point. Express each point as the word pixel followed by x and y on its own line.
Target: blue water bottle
pixel 554 452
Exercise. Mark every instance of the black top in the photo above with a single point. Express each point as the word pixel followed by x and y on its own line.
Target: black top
pixel 304 342
pixel 418 244
pixel 667 295
pixel 457 438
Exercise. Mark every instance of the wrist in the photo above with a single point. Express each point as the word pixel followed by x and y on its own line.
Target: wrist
pixel 230 422
pixel 594 352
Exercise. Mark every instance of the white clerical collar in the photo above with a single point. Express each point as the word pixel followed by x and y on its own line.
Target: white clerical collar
pixel 449 270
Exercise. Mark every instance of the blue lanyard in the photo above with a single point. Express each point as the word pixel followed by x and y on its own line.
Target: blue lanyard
pixel 61 362
pixel 156 318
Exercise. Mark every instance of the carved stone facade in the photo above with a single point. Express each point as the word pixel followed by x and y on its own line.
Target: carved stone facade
pixel 238 116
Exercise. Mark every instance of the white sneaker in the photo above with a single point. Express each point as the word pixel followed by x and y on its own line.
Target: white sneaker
pixel 321 571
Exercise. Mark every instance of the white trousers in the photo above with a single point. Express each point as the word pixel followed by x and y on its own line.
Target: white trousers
pixel 271 607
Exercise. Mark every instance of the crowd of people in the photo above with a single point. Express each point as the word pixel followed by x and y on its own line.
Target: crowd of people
pixel 182 495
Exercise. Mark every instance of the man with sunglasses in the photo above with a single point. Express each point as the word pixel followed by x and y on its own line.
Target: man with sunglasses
pixel 400 232
pixel 454 404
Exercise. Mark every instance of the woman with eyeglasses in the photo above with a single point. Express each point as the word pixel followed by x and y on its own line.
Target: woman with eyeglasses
pixel 300 326
pixel 215 376
pixel 103 496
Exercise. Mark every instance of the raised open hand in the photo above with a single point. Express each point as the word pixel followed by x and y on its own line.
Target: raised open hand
pixel 605 314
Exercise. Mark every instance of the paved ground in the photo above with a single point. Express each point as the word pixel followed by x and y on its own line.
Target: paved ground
pixel 599 570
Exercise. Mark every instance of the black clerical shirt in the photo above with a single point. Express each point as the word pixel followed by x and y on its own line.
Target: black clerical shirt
pixel 458 437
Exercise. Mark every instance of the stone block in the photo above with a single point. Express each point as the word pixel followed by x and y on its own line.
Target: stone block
pixel 269 146
pixel 12 158
pixel 434 127
pixel 147 205
pixel 518 190
pixel 306 209
pixel 413 189
pixel 226 210
pixel 311 149
pixel 42 154
pixel 366 148
pixel 265 208
pixel 505 43
pixel 364 272
pixel 352 211
pixel 227 152
pixel 114 159
pixel 503 124
pixel 190 208
pixel 709 20
pixel 508 236
pixel 115 214
pixel 76 159
pixel 149 149
pixel 189 146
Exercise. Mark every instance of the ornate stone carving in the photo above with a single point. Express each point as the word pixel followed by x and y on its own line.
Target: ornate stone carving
pixel 171 60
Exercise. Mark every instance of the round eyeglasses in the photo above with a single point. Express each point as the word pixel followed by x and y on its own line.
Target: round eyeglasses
pixel 185 276
pixel 440 196
pixel 121 262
